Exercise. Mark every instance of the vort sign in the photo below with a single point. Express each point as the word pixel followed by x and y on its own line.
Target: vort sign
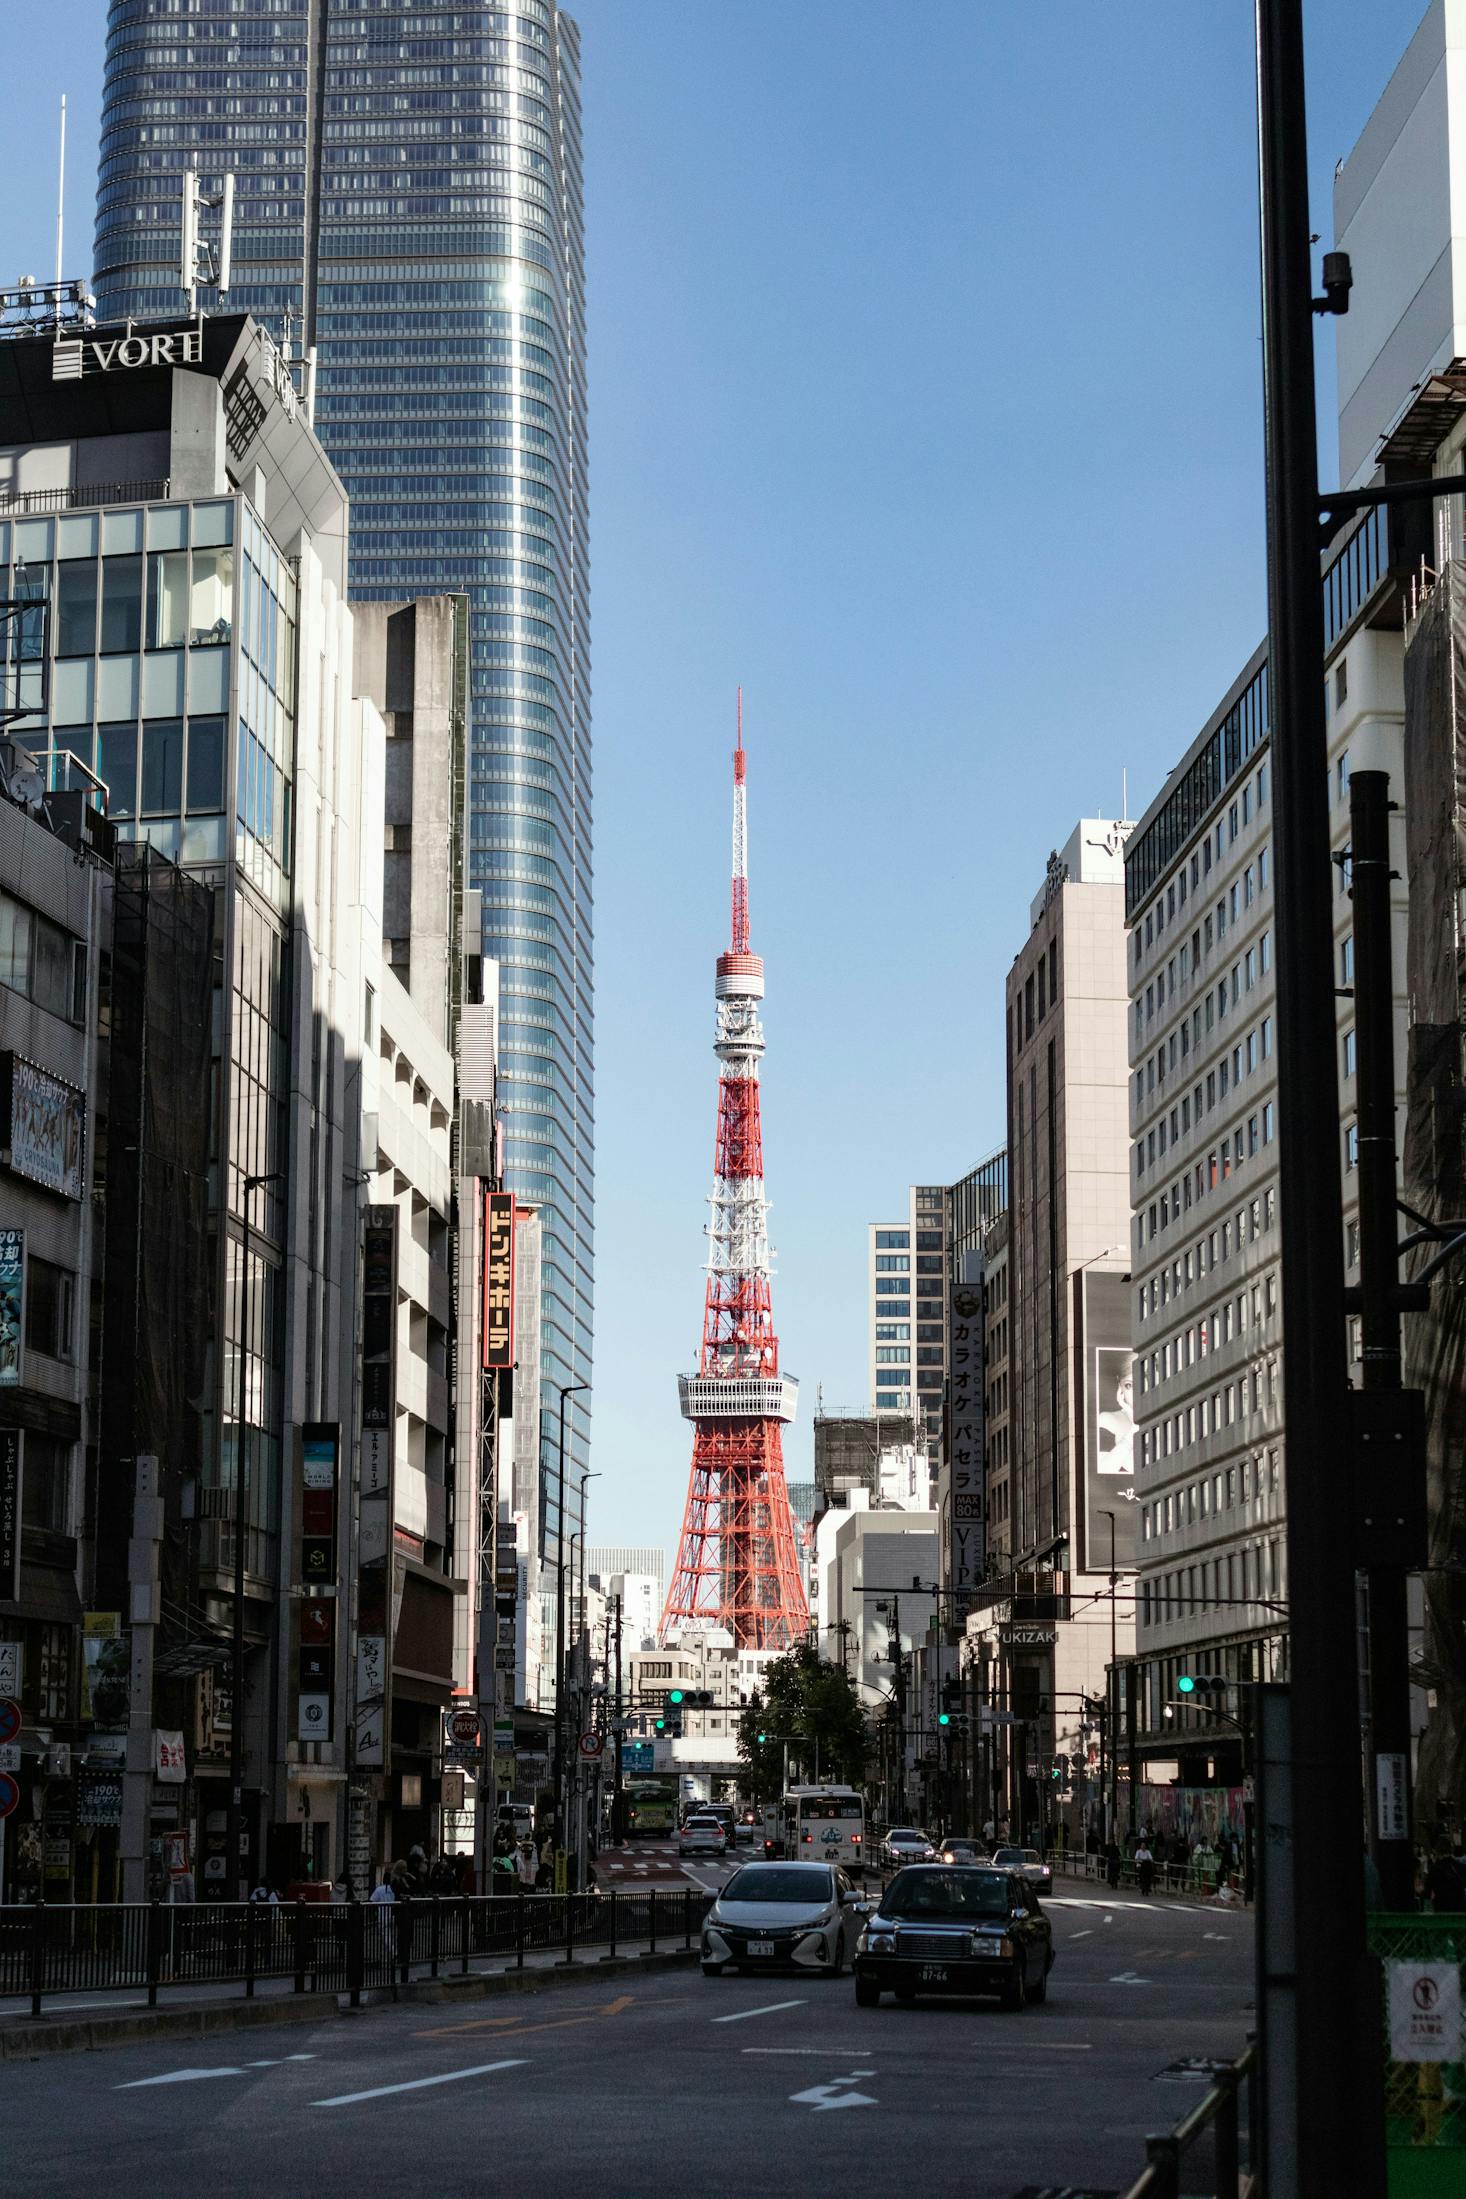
pixel 71 358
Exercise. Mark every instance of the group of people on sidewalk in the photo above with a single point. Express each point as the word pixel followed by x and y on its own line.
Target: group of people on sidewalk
pixel 1209 1863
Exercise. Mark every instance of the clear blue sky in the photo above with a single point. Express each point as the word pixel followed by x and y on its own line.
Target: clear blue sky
pixel 924 402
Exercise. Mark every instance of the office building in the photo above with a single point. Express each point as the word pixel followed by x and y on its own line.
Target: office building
pixel 906 1295
pixel 1040 1631
pixel 408 191
pixel 976 1203
pixel 166 509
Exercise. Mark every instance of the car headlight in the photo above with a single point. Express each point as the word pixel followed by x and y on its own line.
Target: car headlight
pixel 989 1943
pixel 880 1943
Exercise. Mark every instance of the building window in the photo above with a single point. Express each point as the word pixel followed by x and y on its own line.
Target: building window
pixel 45 1482
pixel 50 1311
pixel 893 1240
pixel 1348 1053
pixel 892 1263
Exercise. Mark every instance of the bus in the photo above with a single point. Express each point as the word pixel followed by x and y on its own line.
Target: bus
pixel 651 1804
pixel 825 1824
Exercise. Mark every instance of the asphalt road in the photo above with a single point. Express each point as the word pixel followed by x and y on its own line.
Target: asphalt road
pixel 665 2083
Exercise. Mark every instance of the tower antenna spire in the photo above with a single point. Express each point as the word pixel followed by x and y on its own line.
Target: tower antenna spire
pixel 738 936
pixel 737 1566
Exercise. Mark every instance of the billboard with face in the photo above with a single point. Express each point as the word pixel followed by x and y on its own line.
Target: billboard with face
pixel 1109 1438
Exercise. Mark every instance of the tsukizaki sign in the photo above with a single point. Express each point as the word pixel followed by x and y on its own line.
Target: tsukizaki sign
pixel 499 1279
pixel 73 358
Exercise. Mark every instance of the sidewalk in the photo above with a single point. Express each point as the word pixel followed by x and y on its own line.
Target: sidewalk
pixel 86 2020
pixel 1170 1885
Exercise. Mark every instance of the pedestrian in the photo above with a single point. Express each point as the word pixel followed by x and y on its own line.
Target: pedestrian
pixel 529 1865
pixel 1144 1865
pixel 1112 1863
pixel 265 1897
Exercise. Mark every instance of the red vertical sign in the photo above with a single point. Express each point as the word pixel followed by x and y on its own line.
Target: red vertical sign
pixel 499 1279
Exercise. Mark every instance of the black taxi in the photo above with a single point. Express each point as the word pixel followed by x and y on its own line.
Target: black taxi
pixel 955 1929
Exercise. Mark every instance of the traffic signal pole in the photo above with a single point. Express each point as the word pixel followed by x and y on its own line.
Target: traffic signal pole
pixel 1318 2017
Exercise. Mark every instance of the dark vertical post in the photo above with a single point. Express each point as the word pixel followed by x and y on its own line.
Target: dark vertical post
pixel 234 1841
pixel 1333 2118
pixel 1132 1751
pixel 356 1949
pixel 1379 1272
pixel 38 1958
pixel 155 1949
pixel 618 1806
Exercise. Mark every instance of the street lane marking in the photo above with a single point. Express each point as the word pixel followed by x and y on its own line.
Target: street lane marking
pixel 1128 1977
pixel 416 2084
pixel 504 2027
pixel 1087 1933
pixel 1063 2046
pixel 1222 1936
pixel 177 2076
pixel 742 2015
pixel 822 2097
pixel 822 2051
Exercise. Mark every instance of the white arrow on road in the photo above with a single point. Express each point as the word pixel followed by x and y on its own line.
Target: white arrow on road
pixel 192 2076
pixel 835 2094
pixel 1128 1977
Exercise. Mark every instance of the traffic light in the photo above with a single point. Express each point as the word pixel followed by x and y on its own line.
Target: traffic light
pixel 1202 1683
pixel 761 1738
pixel 944 1718
pixel 1185 1684
pixel 674 1695
pixel 1060 1772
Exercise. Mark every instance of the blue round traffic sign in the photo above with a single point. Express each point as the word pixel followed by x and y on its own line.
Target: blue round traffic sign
pixel 9 1722
pixel 9 1794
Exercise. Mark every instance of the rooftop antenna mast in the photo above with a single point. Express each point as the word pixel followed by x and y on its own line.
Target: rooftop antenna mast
pixel 60 205
pixel 199 262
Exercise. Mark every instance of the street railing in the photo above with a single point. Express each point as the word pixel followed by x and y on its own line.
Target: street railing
pixel 1201 1877
pixel 1219 2112
pixel 51 1949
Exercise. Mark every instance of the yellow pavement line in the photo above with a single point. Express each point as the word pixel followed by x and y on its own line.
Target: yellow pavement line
pixel 505 2026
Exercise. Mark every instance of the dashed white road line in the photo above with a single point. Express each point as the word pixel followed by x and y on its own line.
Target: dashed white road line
pixel 418 2084
pixel 741 2015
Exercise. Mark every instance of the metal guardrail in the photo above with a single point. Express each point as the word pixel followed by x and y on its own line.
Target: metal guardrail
pixel 50 1949
pixel 22 503
pixel 1164 2154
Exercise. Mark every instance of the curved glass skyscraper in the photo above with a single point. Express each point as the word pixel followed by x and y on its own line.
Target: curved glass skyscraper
pixel 408 186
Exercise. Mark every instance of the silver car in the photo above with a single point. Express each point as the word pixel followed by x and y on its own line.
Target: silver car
pixel 1026 1860
pixel 905 1844
pixel 702 1836
pixel 803 1916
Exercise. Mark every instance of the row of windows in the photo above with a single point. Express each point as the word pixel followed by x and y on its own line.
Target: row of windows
pixel 1251 1482
pixel 1220 1409
pixel 1238 1576
pixel 1201 1259
pixel 1168 906
pixel 1150 854
pixel 893 1240
pixel 1211 1334
pixel 1208 1092
pixel 1204 1176
pixel 1040 993
pixel 1244 974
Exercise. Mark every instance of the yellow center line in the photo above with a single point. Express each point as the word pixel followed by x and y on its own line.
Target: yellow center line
pixel 512 2027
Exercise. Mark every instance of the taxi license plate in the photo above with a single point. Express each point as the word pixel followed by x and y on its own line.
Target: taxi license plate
pixel 760 1946
pixel 934 1973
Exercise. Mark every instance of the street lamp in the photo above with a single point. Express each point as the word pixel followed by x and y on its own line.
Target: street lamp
pixel 1107 1738
pixel 235 1838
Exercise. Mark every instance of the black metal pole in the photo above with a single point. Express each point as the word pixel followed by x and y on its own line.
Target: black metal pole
pixel 618 1811
pixel 561 1813
pixel 1391 1843
pixel 1323 2102
pixel 234 1842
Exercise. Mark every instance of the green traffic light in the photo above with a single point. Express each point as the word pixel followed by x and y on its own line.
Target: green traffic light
pixel 763 1737
pixel 943 1719
pixel 1185 1684
pixel 661 1725
pixel 674 1694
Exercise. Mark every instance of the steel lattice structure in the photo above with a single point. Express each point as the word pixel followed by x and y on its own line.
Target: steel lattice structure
pixel 736 1561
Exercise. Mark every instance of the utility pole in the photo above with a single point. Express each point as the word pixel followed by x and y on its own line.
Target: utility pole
pixel 618 1809
pixel 1318 1999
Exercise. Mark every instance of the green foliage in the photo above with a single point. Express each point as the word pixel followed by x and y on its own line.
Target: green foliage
pixel 805 1701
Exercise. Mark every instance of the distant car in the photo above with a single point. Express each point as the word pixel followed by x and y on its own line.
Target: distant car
pixel 802 1916
pixel 1026 1860
pixel 962 1930
pixel 747 1826
pixel 904 1844
pixel 962 1851
pixel 724 1812
pixel 702 1836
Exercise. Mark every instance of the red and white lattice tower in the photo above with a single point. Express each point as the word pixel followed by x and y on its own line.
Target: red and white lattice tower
pixel 736 1561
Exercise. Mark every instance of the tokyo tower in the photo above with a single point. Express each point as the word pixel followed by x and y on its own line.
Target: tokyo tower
pixel 736 1565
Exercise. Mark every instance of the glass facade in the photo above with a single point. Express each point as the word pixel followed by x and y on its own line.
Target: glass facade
pixel 408 184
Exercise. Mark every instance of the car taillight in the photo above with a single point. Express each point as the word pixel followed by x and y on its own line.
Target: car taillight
pixel 855 1840
pixel 809 1836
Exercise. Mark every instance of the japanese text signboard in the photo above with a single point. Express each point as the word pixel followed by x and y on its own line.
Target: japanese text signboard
pixel 373 1715
pixel 12 1305
pixel 967 1429
pixel 499 1280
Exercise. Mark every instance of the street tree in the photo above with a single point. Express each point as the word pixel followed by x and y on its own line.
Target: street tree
pixel 812 1705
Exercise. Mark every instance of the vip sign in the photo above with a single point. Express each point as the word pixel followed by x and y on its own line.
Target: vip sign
pixel 967 1435
pixel 71 359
